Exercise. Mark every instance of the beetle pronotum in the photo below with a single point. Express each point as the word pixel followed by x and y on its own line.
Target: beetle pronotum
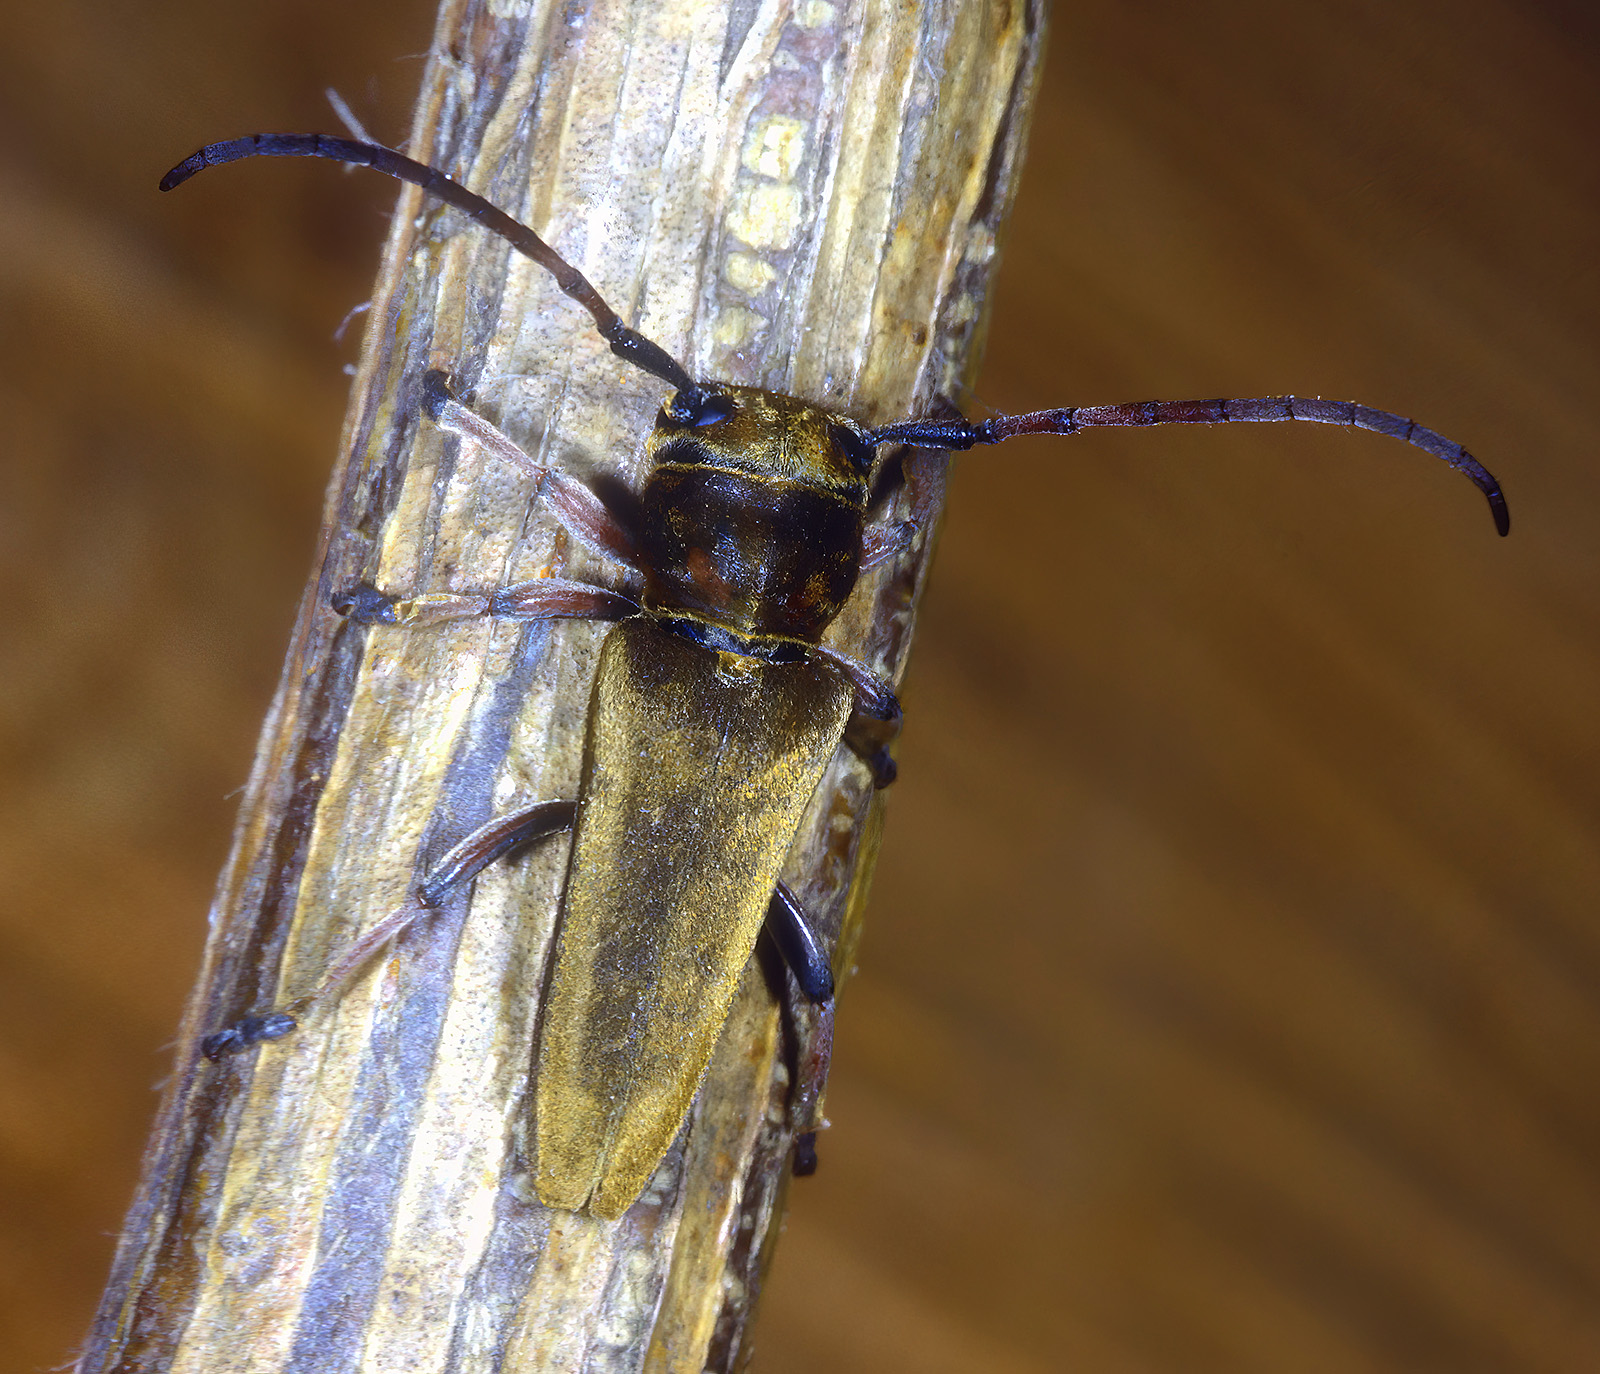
pixel 716 708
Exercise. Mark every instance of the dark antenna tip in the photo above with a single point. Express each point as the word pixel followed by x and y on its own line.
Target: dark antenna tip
pixel 1498 507
pixel 215 154
pixel 182 172
pixel 436 392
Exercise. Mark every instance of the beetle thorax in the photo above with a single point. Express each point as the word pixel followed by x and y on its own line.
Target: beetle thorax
pixel 752 523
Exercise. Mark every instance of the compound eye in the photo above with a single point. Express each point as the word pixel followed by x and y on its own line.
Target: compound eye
pixel 713 411
pixel 854 447
pixel 699 409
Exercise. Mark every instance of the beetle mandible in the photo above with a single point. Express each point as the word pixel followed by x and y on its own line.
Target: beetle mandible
pixel 715 710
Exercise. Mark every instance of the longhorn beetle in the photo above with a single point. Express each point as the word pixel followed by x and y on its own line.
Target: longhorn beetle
pixel 715 710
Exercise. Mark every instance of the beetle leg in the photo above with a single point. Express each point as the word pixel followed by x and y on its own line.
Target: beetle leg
pixel 491 841
pixel 874 718
pixel 864 737
pixel 543 598
pixel 886 539
pixel 459 866
pixel 806 957
pixel 801 946
pixel 582 514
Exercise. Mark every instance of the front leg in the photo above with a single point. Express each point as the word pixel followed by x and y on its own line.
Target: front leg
pixel 882 541
pixel 582 514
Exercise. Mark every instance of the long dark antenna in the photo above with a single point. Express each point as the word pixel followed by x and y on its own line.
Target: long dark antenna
pixel 964 434
pixel 626 343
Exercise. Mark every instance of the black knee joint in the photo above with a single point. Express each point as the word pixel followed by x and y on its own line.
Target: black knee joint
pixel 366 605
pixel 805 1154
pixel 246 1033
pixel 437 392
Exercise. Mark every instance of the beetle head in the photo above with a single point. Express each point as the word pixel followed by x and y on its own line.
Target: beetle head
pixel 766 436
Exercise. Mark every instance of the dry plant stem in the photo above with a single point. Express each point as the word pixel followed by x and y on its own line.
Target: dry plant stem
pixel 804 197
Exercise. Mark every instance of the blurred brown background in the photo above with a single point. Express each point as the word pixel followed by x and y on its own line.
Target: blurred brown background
pixel 1231 997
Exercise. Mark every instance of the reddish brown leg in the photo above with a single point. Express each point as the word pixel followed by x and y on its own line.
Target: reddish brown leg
pixel 544 598
pixel 885 540
pixel 582 514
pixel 453 871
